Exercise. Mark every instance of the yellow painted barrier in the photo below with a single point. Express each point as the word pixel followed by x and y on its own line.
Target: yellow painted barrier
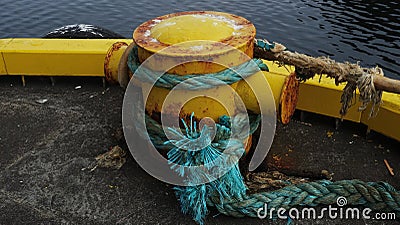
pixel 3 66
pixel 54 57
pixel 387 121
pixel 323 97
pixel 111 61
pixel 85 57
pixel 276 78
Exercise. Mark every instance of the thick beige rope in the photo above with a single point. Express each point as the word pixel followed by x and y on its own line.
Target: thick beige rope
pixel 370 81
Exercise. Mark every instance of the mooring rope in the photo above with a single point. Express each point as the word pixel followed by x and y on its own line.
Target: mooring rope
pixel 195 198
pixel 229 193
pixel 374 195
pixel 307 67
pixel 203 81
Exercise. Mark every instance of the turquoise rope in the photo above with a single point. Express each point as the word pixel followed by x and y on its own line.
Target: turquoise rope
pixel 264 44
pixel 194 199
pixel 379 196
pixel 231 185
pixel 203 81
pixel 228 194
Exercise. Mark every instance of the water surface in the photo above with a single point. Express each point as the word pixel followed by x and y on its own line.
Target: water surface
pixel 364 31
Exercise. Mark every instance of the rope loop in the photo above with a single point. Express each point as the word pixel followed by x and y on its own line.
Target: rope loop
pixel 204 81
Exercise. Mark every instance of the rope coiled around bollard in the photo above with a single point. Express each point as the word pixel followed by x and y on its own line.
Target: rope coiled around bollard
pixel 204 81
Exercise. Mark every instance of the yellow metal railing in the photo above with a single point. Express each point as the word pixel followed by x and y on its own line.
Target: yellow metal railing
pixel 86 57
pixel 55 57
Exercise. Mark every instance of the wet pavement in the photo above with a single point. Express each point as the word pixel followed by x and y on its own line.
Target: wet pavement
pixel 47 151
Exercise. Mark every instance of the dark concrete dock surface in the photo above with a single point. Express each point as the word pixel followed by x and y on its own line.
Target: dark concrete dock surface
pixel 47 151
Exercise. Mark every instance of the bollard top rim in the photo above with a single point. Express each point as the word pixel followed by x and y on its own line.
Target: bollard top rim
pixel 177 28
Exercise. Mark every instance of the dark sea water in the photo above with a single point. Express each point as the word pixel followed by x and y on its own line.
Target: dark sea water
pixel 365 31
